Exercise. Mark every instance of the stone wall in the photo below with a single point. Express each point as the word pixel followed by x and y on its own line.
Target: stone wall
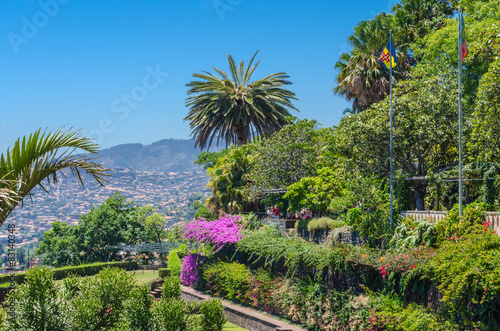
pixel 342 235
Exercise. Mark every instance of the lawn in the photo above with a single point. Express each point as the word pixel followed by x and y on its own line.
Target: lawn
pixel 144 276
pixel 232 327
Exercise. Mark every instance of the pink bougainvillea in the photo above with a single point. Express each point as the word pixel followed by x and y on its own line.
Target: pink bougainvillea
pixel 223 231
pixel 189 271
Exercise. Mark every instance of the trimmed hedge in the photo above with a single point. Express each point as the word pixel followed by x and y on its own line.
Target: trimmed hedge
pixel 164 272
pixel 81 270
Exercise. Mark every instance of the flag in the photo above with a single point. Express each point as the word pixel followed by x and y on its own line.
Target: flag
pixel 388 54
pixel 461 36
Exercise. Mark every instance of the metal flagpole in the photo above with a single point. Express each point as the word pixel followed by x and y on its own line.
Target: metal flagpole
pixel 459 119
pixel 390 144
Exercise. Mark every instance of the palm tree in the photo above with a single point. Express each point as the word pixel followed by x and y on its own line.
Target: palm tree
pixel 43 156
pixel 362 79
pixel 233 109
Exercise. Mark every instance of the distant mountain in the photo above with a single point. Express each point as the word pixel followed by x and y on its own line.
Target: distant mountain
pixel 167 155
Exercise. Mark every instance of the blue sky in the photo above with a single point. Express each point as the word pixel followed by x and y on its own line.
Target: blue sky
pixel 118 69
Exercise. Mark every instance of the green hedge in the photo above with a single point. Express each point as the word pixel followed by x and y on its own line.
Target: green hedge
pixel 81 270
pixel 164 272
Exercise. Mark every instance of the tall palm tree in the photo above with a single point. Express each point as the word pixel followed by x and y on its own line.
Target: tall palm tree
pixel 42 156
pixel 362 79
pixel 233 109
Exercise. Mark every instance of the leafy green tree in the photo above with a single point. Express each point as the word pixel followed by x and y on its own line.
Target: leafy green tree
pixel 59 245
pixel 42 156
pixel 116 221
pixel 233 109
pixel 425 129
pixel 287 156
pixel 314 193
pixel 154 226
pixel 21 255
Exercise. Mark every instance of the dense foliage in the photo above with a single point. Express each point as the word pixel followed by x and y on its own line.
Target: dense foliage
pixel 108 301
pixel 116 221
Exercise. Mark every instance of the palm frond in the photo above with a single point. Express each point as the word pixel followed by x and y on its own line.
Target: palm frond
pixel 42 156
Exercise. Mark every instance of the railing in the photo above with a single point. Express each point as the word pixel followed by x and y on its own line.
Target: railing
pixel 436 216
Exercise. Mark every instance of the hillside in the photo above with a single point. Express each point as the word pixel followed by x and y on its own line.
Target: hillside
pixel 161 174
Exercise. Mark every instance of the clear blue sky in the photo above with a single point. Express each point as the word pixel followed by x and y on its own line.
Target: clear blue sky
pixel 73 62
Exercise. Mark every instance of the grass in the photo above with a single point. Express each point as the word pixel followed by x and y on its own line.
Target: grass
pixel 145 276
pixel 232 327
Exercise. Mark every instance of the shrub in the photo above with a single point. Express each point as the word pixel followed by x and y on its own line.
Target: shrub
pixel 164 272
pixel 302 224
pixel 238 282
pixel 320 308
pixel 101 300
pixel 472 214
pixel 389 312
pixel 252 222
pixel 412 234
pixel 3 317
pixel 324 223
pixel 189 272
pixel 38 305
pixel 171 288
pixel 229 280
pixel 218 233
pixel 138 309
pixel 170 315
pixel 174 260
pixel 213 318
pixel 270 246
pixel 466 271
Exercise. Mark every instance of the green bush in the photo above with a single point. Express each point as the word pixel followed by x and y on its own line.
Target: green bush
pixel 229 280
pixel 252 222
pixel 302 224
pixel 390 313
pixel 100 303
pixel 412 234
pixel 138 309
pixel 318 307
pixel 324 223
pixel 472 214
pixel 270 246
pixel 174 260
pixel 164 272
pixel 39 303
pixel 466 272
pixel 3 318
pixel 170 315
pixel 213 318
pixel 171 288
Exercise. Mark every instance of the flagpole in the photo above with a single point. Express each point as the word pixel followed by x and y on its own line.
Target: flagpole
pixel 390 144
pixel 460 199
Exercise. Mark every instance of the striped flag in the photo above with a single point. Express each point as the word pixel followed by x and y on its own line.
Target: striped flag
pixel 461 36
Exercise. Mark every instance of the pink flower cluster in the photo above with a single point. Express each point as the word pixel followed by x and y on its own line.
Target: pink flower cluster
pixel 189 271
pixel 223 231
